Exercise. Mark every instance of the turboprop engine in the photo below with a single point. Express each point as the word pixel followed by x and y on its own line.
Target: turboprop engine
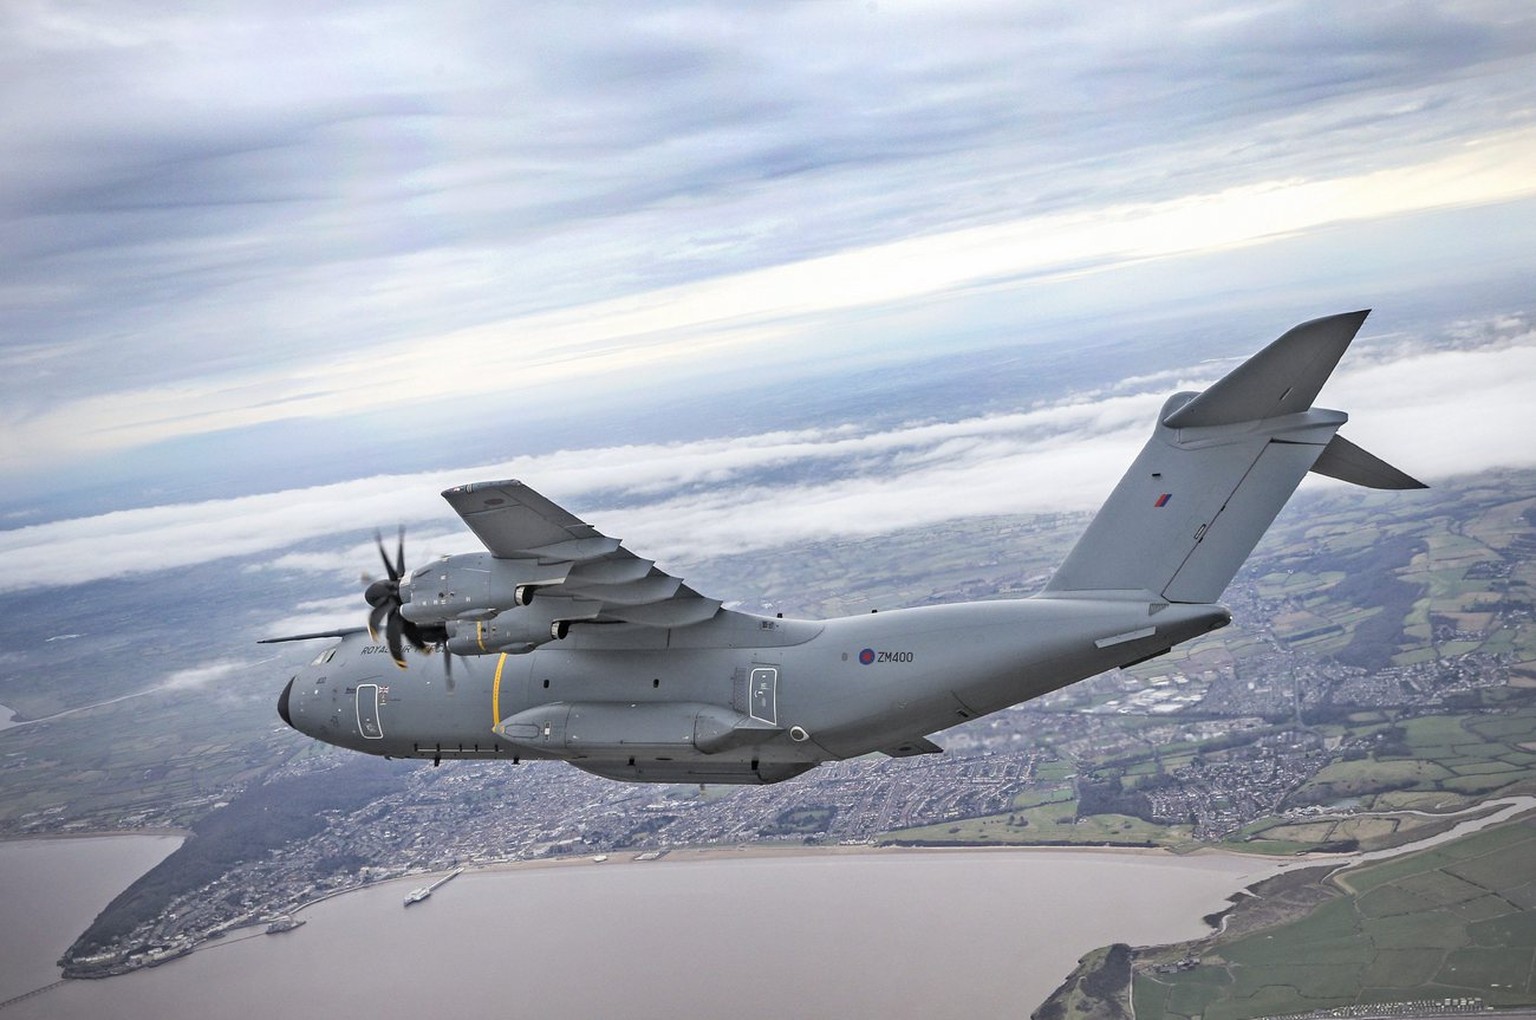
pixel 517 630
pixel 473 586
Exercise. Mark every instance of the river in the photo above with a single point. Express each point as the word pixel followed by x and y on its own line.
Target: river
pixel 893 932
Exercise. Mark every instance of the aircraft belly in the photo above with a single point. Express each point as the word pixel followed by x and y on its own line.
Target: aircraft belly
pixel 712 770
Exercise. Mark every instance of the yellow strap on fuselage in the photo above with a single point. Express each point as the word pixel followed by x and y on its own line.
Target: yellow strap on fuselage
pixel 496 690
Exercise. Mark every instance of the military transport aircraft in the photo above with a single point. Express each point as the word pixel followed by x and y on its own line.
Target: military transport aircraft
pixel 571 647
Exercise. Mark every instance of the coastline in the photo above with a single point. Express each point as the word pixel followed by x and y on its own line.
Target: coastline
pixel 768 851
pixel 685 855
pixel 55 886
pixel 1095 990
pixel 120 965
pixel 1333 864
pixel 1184 920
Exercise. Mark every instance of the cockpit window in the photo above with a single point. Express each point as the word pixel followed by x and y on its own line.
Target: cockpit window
pixel 324 657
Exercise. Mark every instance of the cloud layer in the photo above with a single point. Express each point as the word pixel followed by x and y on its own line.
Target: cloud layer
pixel 1434 411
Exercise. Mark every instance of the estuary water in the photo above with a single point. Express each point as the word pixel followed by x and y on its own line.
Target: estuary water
pixel 51 889
pixel 950 932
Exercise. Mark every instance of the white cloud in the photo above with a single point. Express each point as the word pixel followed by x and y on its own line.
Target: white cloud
pixel 202 676
pixel 320 615
pixel 1433 413
pixel 1446 412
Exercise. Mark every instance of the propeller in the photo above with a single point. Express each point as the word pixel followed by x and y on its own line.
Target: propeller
pixel 384 596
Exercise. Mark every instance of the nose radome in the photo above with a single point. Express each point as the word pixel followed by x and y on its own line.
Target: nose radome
pixel 282 704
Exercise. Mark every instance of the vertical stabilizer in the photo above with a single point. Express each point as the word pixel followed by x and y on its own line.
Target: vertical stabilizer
pixel 1218 468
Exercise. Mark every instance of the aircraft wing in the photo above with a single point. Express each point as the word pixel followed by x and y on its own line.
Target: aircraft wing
pixel 617 586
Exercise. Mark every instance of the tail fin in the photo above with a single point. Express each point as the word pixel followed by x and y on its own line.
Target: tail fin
pixel 1218 468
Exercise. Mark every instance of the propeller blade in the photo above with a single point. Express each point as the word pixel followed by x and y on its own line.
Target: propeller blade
pixel 400 556
pixel 392 638
pixel 389 567
pixel 375 618
pixel 412 633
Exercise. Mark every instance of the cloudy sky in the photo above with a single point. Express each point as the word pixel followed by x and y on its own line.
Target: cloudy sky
pixel 325 254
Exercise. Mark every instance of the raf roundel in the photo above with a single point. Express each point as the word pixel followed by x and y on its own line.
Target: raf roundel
pixel 867 656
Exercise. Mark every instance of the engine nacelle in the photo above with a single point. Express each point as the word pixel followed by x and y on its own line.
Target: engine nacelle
pixel 518 630
pixel 494 637
pixel 474 586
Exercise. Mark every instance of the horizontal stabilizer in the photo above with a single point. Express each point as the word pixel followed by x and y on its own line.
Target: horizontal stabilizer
pixel 1283 378
pixel 1345 461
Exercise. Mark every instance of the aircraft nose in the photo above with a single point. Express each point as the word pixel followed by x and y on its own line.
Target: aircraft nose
pixel 282 704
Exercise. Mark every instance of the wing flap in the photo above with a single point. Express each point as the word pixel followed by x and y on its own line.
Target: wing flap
pixel 515 522
pixel 658 587
pixel 678 611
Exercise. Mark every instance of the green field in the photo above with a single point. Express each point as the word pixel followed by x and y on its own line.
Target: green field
pixel 1452 921
pixel 1454 755
pixel 1047 815
pixel 1430 765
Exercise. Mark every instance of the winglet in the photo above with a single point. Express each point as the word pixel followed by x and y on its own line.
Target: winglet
pixel 1283 378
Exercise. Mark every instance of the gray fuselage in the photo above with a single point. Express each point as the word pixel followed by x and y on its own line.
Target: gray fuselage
pixel 740 698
